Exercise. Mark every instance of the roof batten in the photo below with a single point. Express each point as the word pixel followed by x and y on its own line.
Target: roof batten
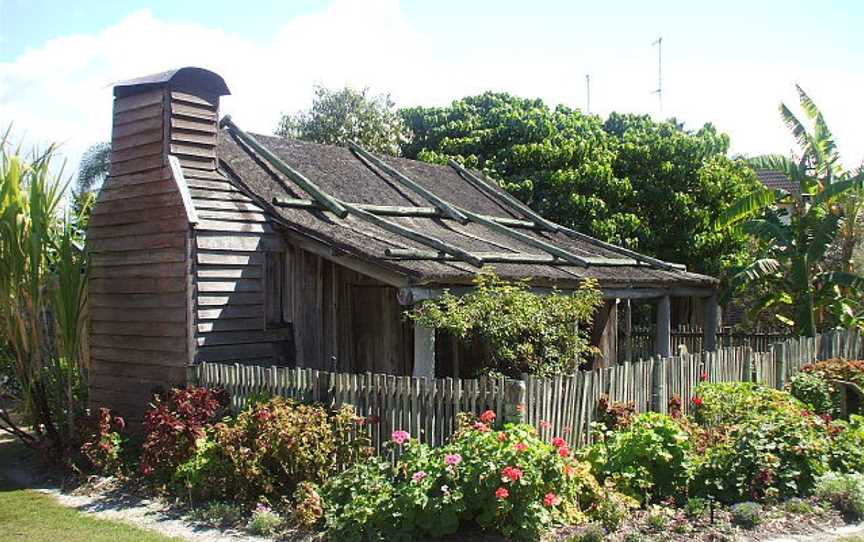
pixel 326 200
pixel 505 257
pixel 443 206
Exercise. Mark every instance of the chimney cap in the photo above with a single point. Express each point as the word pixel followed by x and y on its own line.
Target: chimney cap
pixel 190 79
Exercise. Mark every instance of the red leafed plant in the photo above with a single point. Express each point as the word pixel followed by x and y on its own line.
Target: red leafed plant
pixel 101 434
pixel 173 427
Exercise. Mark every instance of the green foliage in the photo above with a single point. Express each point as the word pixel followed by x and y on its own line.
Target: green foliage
pixel 652 186
pixel 847 446
pixel 42 273
pixel 271 447
pixel 844 491
pixel 338 116
pixel 791 270
pixel 814 391
pixel 525 332
pixel 746 514
pixel 588 533
pixel 507 481
pixel 265 522
pixel 651 459
pixel 765 445
pixel 731 403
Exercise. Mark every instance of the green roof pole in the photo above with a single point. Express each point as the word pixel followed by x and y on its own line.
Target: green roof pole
pixel 326 200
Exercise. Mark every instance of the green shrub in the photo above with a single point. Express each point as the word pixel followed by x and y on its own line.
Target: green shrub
pixel 771 455
pixel 525 332
pixel 847 447
pixel 659 517
pixel 843 491
pixel 508 481
pixel 838 369
pixel 746 514
pixel 272 446
pixel 650 459
pixel 264 521
pixel 796 505
pixel 695 507
pixel 730 403
pixel 219 514
pixel 814 391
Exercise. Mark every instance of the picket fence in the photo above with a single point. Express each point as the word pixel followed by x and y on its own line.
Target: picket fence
pixel 562 405
pixel 691 338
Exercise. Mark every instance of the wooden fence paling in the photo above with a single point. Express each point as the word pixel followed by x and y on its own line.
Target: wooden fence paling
pixel 561 405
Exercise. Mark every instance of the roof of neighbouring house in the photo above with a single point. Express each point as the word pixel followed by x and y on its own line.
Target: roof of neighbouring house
pixel 778 180
pixel 349 176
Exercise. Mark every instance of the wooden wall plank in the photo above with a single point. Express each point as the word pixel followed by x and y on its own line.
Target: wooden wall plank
pixel 161 344
pixel 137 285
pixel 138 329
pixel 158 270
pixel 143 99
pixel 175 315
pixel 138 355
pixel 229 258
pixel 183 110
pixel 207 101
pixel 232 299
pixel 135 301
pixel 229 286
pixel 226 272
pixel 194 125
pixel 176 225
pixel 127 243
pixel 230 216
pixel 235 324
pixel 140 138
pixel 138 115
pixel 137 257
pixel 231 312
pixel 137 204
pixel 133 217
pixel 138 151
pixel 190 136
pixel 239 242
pixel 138 164
pixel 126 130
pixel 242 227
pixel 201 204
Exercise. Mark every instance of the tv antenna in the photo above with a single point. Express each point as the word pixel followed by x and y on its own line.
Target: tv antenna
pixel 659 91
pixel 588 93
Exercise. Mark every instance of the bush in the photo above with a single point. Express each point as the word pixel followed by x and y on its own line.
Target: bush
pixel 844 491
pixel 746 514
pixel 308 506
pixel 847 447
pixel 814 391
pixel 272 446
pixel 588 533
pixel 731 403
pixel 264 521
pixel 771 454
pixel 614 415
pixel 650 459
pixel 102 442
pixel 507 481
pixel 838 369
pixel 173 428
pixel 525 332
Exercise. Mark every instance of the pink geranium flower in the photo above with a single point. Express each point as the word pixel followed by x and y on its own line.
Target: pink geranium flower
pixel 488 416
pixel 453 459
pixel 564 451
pixel 400 437
pixel 551 499
pixel 480 426
pixel 502 436
pixel 419 476
pixel 520 446
pixel 511 474
pixel 545 424
pixel 559 442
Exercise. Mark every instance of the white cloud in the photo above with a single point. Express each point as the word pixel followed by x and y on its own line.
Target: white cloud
pixel 60 90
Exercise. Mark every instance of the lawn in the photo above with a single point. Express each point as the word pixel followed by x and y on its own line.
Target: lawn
pixel 36 517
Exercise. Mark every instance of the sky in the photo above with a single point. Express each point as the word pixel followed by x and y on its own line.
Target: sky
pixel 730 63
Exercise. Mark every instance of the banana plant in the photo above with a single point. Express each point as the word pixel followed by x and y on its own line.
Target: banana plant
pixel 794 238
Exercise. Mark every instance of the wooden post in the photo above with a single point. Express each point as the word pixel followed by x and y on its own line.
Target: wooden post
pixel 748 365
pixel 515 400
pixel 658 385
pixel 424 351
pixel 712 313
pixel 664 327
pixel 628 331
pixel 780 365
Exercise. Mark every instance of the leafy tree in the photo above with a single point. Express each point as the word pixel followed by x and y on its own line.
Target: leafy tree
pixel 94 167
pixel 791 270
pixel 525 332
pixel 652 186
pixel 338 116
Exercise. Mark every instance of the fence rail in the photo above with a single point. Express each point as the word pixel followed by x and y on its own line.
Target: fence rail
pixel 563 405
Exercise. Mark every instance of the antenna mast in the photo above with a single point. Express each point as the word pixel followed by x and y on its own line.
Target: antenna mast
pixel 588 93
pixel 659 91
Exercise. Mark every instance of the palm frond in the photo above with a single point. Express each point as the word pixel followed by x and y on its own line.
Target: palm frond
pixel 822 139
pixel 767 231
pixel 799 131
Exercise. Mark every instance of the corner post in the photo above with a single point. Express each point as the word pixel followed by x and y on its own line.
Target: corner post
pixel 664 327
pixel 514 400
pixel 424 351
pixel 712 314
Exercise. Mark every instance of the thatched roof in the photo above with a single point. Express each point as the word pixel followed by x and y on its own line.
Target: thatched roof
pixel 342 174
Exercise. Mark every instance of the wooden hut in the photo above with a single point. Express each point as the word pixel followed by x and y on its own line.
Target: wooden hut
pixel 212 244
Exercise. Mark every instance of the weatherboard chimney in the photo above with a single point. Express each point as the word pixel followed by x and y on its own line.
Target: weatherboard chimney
pixel 140 238
pixel 169 113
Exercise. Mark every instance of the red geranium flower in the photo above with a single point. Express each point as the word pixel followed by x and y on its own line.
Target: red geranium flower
pixel 502 493
pixel 559 442
pixel 488 416
pixel 511 474
pixel 551 500
pixel 563 451
pixel 697 401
